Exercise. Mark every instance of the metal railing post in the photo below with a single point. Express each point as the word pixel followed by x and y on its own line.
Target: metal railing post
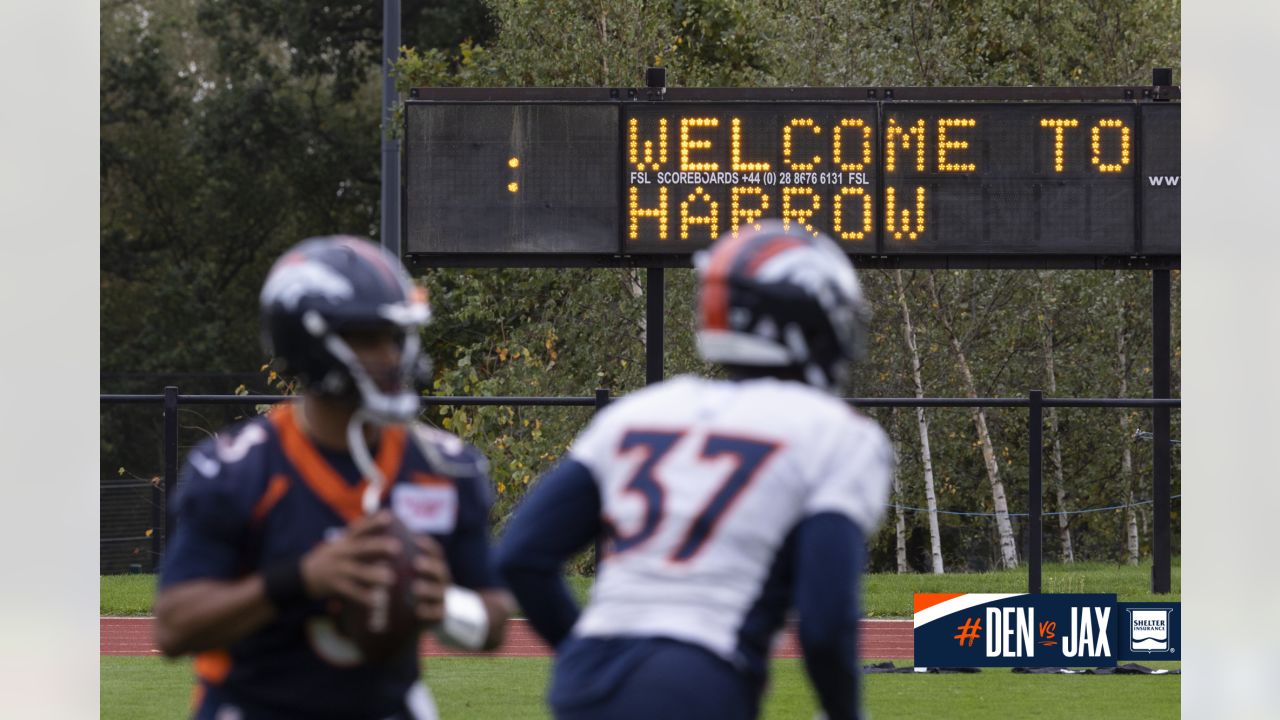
pixel 170 472
pixel 1035 494
pixel 602 399
pixel 597 548
pixel 1161 518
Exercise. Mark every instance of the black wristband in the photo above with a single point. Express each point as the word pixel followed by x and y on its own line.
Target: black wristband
pixel 283 581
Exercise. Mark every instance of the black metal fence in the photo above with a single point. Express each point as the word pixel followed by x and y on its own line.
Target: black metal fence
pixel 136 507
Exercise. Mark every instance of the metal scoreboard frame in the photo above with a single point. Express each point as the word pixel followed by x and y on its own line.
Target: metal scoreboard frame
pixel 949 177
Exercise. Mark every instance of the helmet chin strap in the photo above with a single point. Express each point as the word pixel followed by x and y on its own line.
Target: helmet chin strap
pixel 372 498
pixel 370 501
pixel 376 407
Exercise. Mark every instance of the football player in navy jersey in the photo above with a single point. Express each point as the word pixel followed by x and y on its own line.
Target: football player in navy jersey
pixel 723 504
pixel 287 515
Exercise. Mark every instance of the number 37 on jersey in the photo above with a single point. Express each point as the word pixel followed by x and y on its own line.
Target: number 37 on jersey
pixel 685 486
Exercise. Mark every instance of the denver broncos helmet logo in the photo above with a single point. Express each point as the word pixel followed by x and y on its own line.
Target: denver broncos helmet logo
pixel 296 277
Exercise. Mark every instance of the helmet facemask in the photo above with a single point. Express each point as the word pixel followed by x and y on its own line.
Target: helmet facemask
pixel 393 398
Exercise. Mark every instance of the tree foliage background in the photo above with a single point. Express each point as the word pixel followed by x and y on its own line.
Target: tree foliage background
pixel 233 128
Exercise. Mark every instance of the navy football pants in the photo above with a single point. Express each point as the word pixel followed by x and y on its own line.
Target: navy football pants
pixel 647 679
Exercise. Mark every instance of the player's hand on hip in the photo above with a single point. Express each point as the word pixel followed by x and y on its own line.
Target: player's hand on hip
pixel 353 566
pixel 432 577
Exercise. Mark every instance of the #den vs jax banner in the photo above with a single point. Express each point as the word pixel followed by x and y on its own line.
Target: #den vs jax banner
pixel 1056 630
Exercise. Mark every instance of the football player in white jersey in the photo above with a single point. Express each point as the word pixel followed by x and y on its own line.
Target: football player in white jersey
pixel 723 504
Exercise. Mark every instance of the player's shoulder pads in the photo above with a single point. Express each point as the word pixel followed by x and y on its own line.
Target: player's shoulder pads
pixel 448 454
pixel 233 462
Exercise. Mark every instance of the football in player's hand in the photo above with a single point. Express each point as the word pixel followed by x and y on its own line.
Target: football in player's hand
pixel 387 628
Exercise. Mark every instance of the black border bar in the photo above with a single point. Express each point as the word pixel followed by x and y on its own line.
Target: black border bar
pixel 425 261
pixel 799 94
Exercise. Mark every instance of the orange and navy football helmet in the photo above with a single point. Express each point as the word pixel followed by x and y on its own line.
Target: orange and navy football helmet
pixel 774 295
pixel 325 286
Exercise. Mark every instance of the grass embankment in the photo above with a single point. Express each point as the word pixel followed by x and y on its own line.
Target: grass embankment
pixel 884 595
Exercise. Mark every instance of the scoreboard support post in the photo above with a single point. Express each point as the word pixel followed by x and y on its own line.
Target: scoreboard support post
pixel 655 78
pixel 390 228
pixel 1161 311
pixel 170 527
pixel 655 303
pixel 1161 520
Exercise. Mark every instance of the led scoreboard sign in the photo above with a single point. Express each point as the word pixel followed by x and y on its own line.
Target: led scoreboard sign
pixel 996 174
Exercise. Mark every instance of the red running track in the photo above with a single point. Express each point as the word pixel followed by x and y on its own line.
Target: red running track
pixel 879 639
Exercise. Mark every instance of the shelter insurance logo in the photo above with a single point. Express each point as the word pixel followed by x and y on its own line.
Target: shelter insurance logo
pixel 1021 630
pixel 1152 630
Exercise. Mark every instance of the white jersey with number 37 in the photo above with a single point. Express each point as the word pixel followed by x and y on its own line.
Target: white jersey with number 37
pixel 701 481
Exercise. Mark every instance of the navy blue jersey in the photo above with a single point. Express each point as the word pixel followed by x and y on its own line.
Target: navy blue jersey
pixel 263 493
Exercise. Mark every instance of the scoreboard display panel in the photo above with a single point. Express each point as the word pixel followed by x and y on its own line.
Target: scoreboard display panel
pixel 637 178
pixel 493 178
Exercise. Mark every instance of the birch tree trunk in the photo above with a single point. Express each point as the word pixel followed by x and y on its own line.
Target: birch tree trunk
pixel 900 527
pixel 1055 451
pixel 1008 548
pixel 636 287
pixel 922 422
pixel 1126 430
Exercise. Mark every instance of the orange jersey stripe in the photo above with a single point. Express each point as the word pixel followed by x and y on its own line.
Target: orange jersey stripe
pixel 320 476
pixel 276 488
pixel 213 666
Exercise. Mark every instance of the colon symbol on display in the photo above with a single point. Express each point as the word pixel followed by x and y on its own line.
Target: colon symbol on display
pixel 514 185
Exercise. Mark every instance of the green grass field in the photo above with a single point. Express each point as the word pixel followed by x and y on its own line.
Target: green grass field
pixel 884 596
pixel 143 688
pixel 484 688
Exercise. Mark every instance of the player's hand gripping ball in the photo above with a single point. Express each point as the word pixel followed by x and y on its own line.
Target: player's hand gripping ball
pixel 387 625
pixel 375 590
